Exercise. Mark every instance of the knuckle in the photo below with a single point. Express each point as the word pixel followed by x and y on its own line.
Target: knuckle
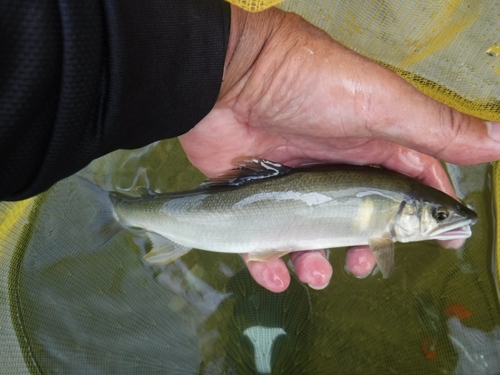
pixel 452 126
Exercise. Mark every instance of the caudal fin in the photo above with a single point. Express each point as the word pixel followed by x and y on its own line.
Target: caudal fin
pixel 104 225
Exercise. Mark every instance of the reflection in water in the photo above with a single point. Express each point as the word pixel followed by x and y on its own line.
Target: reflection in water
pixel 192 290
pixel 478 351
pixel 244 329
pixel 260 332
pixel 262 339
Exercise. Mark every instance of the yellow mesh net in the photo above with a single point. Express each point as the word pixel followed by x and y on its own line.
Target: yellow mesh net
pixel 255 5
pixel 447 49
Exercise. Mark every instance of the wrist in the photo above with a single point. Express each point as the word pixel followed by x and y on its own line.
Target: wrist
pixel 248 35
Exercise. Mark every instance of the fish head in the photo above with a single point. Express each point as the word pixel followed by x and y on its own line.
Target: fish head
pixel 440 219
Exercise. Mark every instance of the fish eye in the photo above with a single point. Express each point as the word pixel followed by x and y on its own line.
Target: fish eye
pixel 441 214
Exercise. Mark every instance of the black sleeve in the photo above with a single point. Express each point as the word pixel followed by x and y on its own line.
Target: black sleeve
pixel 79 79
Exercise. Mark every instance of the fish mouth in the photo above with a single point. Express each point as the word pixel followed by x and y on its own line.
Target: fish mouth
pixel 460 229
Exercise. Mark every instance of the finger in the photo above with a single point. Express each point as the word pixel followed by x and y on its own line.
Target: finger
pixel 360 261
pixel 403 115
pixel 272 275
pixel 453 244
pixel 421 166
pixel 397 158
pixel 312 267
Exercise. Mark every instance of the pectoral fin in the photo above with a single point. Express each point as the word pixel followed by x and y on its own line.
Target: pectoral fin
pixel 383 251
pixel 266 256
pixel 164 250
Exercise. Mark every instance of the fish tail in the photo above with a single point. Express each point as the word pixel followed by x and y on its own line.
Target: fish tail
pixel 104 225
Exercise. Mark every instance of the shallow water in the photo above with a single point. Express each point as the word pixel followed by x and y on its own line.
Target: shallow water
pixel 106 310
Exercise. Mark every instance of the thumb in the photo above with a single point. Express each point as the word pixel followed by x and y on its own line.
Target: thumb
pixel 423 124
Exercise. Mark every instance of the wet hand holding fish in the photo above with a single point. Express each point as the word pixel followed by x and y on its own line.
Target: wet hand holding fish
pixel 267 210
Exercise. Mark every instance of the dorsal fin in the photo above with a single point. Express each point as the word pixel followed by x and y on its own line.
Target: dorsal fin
pixel 248 169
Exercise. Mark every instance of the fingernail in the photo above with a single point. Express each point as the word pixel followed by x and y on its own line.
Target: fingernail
pixel 317 280
pixel 493 130
pixel 275 279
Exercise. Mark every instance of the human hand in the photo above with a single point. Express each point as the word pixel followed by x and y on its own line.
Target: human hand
pixel 292 94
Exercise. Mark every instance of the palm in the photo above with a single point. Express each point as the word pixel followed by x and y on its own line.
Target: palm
pixel 219 138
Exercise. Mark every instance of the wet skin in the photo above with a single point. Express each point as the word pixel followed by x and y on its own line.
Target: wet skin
pixel 293 95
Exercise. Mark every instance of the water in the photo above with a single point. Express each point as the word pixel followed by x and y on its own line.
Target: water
pixel 105 310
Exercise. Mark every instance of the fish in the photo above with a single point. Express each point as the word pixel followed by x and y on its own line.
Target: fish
pixel 268 209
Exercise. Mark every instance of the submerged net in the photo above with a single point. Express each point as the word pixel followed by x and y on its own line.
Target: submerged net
pixel 69 308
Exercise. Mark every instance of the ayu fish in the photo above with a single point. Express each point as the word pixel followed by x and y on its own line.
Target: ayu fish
pixel 267 210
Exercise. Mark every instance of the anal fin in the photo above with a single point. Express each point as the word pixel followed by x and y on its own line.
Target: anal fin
pixel 383 251
pixel 164 250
